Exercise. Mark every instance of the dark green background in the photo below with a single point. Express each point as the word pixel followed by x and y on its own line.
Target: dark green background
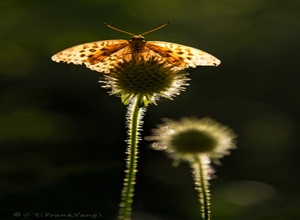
pixel 62 135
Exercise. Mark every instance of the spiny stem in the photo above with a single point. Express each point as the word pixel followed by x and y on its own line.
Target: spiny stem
pixel 134 116
pixel 201 172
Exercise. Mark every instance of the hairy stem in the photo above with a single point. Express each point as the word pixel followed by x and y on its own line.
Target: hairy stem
pixel 134 117
pixel 201 171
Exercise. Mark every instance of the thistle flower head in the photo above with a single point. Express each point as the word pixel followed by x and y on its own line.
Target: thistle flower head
pixel 191 137
pixel 152 79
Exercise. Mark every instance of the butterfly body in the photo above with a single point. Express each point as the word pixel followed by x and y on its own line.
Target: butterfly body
pixel 102 56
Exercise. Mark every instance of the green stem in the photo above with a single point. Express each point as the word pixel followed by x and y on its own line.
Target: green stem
pixel 134 116
pixel 201 171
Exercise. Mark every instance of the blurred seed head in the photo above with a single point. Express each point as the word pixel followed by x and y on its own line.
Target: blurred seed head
pixel 191 137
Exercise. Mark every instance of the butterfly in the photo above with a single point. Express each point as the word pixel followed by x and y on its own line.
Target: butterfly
pixel 104 55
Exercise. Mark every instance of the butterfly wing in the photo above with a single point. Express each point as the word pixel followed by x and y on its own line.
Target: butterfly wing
pixel 182 56
pixel 99 56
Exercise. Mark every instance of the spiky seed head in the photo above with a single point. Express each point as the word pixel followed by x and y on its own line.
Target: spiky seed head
pixel 190 137
pixel 152 79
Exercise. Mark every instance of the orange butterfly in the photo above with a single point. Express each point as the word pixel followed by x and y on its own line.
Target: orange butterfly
pixel 103 55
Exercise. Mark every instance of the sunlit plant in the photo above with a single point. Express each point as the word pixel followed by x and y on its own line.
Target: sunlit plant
pixel 196 141
pixel 139 72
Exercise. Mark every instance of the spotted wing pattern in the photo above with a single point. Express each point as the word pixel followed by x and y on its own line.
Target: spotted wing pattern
pixel 182 56
pixel 100 56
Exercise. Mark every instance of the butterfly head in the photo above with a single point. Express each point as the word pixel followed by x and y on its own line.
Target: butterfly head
pixel 138 38
pixel 137 43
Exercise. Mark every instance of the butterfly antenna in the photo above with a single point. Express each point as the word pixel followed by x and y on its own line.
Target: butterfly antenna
pixel 165 24
pixel 116 29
